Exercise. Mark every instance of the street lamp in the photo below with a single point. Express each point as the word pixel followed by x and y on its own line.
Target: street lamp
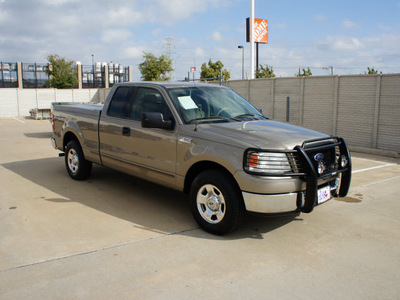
pixel 241 47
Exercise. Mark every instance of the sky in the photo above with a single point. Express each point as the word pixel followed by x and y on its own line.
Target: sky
pixel 348 36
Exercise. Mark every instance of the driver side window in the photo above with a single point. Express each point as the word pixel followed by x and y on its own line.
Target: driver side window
pixel 149 100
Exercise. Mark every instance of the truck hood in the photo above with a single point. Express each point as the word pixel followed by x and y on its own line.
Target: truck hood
pixel 264 134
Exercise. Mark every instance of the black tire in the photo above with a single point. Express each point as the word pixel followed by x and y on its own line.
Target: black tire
pixel 216 202
pixel 77 166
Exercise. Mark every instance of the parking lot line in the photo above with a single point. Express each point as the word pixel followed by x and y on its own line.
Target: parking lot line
pixel 19 120
pixel 372 168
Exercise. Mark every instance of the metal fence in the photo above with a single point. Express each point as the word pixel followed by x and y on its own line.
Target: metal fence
pixel 8 75
pixel 95 76
pixel 33 75
pixel 92 77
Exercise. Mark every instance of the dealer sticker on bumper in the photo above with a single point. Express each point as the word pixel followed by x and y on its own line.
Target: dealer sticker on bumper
pixel 324 194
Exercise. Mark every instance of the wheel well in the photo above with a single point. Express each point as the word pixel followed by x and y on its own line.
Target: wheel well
pixel 199 167
pixel 69 136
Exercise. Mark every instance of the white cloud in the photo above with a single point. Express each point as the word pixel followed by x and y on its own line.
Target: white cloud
pixel 57 2
pixel 320 17
pixel 171 11
pixel 115 35
pixel 133 52
pixel 217 36
pixel 345 43
pixel 157 31
pixel 199 52
pixel 123 16
pixel 347 24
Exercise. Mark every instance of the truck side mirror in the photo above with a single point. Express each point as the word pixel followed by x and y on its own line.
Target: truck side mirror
pixel 155 120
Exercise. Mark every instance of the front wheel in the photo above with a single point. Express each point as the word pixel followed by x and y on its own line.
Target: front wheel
pixel 77 166
pixel 216 202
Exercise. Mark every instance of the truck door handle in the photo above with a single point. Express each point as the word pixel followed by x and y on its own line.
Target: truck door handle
pixel 126 131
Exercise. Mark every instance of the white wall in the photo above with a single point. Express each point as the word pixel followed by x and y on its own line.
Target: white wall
pixel 17 102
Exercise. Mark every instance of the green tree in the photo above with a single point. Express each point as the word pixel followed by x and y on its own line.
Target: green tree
pixel 62 72
pixel 265 72
pixel 304 72
pixel 372 71
pixel 213 70
pixel 156 68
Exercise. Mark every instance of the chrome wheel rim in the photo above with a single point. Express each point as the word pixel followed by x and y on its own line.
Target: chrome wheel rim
pixel 73 161
pixel 211 203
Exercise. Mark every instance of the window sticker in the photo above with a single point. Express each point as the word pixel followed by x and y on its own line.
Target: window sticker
pixel 187 102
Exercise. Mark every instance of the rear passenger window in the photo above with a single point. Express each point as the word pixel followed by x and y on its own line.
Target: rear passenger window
pixel 119 103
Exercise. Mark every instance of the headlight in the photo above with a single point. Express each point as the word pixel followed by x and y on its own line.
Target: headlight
pixel 343 161
pixel 273 163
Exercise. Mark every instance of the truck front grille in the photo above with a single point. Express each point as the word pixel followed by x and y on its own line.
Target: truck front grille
pixel 323 154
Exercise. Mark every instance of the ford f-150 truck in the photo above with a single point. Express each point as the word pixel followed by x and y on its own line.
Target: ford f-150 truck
pixel 207 141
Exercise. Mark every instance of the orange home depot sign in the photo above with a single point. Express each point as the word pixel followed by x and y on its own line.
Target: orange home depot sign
pixel 260 30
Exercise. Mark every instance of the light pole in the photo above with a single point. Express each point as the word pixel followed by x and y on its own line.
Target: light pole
pixel 92 69
pixel 252 39
pixel 241 47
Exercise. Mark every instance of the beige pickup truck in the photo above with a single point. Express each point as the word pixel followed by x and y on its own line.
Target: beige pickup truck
pixel 208 142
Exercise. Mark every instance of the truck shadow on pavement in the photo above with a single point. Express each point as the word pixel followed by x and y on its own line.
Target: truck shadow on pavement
pixel 146 205
pixel 38 135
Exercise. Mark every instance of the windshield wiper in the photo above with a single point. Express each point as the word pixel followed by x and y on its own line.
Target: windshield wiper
pixel 208 118
pixel 257 117
pixel 236 118
pixel 244 115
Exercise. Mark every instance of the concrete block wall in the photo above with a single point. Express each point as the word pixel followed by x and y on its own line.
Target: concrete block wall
pixel 18 102
pixel 364 109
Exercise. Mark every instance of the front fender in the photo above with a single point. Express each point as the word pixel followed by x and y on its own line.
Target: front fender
pixel 228 157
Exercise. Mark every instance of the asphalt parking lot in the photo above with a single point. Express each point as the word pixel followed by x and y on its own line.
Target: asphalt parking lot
pixel 118 237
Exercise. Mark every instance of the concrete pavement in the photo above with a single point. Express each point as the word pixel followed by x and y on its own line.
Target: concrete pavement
pixel 118 237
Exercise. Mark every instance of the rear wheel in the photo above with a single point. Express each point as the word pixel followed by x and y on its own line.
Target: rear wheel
pixel 77 166
pixel 216 202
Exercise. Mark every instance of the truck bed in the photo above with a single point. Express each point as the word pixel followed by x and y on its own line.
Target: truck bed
pixel 77 108
pixel 85 116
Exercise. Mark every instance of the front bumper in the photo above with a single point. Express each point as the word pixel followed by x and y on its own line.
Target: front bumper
pixel 271 204
pixel 303 196
pixel 282 203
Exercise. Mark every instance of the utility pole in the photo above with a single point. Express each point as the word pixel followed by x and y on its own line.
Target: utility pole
pixel 169 48
pixel 329 67
pixel 257 57
pixel 252 39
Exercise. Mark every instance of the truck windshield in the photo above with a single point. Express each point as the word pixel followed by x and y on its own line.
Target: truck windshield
pixel 206 104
